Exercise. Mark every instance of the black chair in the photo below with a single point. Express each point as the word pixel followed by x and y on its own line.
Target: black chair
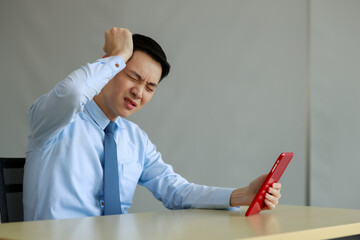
pixel 11 188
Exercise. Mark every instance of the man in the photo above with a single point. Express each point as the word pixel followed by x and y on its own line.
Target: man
pixel 77 167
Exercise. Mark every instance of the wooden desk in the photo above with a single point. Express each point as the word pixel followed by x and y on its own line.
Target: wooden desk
pixel 285 222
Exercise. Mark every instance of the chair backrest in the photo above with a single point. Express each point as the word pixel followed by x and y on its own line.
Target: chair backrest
pixel 11 181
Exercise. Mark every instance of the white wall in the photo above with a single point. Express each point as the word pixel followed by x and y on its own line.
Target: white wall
pixel 235 98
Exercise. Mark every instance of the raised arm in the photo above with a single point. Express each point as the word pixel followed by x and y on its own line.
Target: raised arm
pixel 54 110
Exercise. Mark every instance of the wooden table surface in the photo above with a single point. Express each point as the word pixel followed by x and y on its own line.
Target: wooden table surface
pixel 285 222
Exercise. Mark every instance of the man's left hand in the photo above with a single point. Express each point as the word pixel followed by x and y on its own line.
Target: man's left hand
pixel 244 196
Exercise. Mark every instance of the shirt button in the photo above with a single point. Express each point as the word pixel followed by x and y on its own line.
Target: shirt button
pixel 101 201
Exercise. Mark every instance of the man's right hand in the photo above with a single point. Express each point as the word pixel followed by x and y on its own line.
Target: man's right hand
pixel 118 42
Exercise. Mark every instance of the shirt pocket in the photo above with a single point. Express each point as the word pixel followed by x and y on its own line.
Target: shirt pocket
pixel 130 173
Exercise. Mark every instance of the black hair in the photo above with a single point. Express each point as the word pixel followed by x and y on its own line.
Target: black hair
pixel 153 49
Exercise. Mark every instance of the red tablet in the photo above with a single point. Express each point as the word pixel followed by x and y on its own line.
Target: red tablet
pixel 274 175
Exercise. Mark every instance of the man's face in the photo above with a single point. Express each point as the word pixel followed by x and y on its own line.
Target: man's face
pixel 132 88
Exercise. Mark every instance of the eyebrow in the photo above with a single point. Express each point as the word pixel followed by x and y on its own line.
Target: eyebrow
pixel 138 76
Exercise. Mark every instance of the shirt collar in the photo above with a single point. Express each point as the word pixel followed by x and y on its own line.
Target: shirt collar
pixel 99 116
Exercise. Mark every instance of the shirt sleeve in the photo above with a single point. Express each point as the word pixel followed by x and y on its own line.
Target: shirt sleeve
pixel 54 110
pixel 174 191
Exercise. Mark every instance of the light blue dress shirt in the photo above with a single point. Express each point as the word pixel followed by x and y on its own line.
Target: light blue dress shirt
pixel 63 172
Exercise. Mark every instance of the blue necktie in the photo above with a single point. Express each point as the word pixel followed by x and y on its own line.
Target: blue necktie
pixel 111 176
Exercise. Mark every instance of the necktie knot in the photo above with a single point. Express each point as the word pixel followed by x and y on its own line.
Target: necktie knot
pixel 110 128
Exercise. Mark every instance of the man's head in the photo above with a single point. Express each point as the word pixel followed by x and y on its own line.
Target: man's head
pixel 133 87
pixel 153 49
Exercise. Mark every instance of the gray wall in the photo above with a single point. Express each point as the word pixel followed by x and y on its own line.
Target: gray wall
pixel 335 98
pixel 238 93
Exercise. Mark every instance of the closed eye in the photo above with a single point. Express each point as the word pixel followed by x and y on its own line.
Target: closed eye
pixel 133 78
pixel 149 88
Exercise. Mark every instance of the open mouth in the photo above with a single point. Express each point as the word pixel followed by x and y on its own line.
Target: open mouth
pixel 130 102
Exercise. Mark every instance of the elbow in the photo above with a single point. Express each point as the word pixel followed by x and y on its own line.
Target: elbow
pixel 71 94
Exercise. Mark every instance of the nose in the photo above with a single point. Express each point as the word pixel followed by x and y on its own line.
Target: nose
pixel 137 91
